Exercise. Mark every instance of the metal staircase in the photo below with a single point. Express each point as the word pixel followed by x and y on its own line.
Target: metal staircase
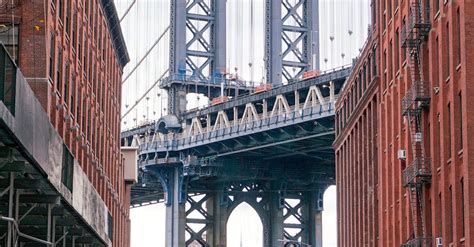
pixel 417 98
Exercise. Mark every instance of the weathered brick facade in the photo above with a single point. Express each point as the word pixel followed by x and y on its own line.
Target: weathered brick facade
pixel 72 53
pixel 448 200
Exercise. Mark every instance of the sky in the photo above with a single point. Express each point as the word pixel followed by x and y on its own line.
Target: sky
pixel 343 29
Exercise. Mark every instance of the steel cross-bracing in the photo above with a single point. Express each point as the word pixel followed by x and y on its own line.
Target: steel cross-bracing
pixel 195 53
pixel 197 60
pixel 271 150
pixel 291 39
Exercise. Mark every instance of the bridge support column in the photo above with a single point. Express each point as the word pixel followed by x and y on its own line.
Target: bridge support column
pixel 175 209
pixel 217 235
pixel 313 214
pixel 275 222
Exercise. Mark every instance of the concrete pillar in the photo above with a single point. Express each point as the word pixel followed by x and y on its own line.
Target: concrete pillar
pixel 175 215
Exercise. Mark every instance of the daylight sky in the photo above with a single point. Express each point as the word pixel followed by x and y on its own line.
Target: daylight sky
pixel 344 20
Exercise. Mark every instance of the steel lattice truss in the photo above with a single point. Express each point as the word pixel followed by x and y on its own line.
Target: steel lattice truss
pixel 198 220
pixel 294 37
pixel 291 39
pixel 293 220
pixel 199 42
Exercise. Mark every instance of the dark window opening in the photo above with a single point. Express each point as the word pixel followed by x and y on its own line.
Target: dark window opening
pixel 7 80
pixel 458 36
pixel 463 227
pixel 66 83
pixel 110 226
pixel 9 35
pixel 58 71
pixel 67 168
pixel 448 58
pixel 68 10
pixel 460 120
pixel 448 144
pixel 51 56
pixel 450 205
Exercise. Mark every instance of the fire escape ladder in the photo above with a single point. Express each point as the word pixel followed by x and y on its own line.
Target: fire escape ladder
pixel 417 174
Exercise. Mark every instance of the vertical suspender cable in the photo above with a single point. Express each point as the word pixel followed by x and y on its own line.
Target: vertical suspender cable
pixel 252 41
pixel 137 76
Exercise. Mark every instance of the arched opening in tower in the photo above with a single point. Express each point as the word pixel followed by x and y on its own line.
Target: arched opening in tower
pixel 330 217
pixel 244 227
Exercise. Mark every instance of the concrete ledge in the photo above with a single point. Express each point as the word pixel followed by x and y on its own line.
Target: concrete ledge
pixel 39 141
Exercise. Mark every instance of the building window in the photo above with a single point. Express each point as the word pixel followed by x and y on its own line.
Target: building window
pixel 437 5
pixel 66 83
pixel 59 65
pixel 448 144
pixel 61 10
pixel 458 36
pixel 51 56
pixel 68 11
pixel 390 63
pixel 67 168
pixel 110 226
pixel 404 53
pixel 397 50
pixel 73 92
pixel 440 218
pixel 9 37
pixel 79 46
pixel 448 55
pixel 450 205
pixel 436 60
pixel 374 16
pixel 463 227
pixel 369 72
pixel 438 137
pixel 91 12
pixel 460 120
pixel 384 66
pixel 74 30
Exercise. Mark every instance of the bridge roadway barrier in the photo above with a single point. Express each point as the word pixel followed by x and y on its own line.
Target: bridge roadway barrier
pixel 195 135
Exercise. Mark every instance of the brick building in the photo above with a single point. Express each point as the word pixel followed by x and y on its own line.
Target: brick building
pixel 72 54
pixel 420 134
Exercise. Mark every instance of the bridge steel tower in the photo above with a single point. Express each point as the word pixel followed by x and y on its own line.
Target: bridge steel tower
pixel 291 39
pixel 198 61
pixel 198 47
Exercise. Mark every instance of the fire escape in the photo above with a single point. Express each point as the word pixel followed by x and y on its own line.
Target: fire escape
pixel 417 174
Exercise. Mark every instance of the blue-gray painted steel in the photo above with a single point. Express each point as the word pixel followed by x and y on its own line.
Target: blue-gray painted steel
pixel 273 50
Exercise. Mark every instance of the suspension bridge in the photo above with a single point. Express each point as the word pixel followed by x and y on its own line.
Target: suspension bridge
pixel 267 142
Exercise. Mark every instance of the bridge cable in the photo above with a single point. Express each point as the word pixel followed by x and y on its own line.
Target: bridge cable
pixel 146 55
pixel 128 10
pixel 145 94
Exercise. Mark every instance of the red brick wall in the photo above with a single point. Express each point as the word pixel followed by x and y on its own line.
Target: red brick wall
pixel 83 100
pixel 449 200
pixel 356 152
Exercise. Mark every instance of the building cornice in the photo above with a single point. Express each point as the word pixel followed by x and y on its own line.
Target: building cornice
pixel 113 24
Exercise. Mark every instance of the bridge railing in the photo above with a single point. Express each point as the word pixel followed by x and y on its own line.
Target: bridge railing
pixel 246 95
pixel 237 127
pixel 207 80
